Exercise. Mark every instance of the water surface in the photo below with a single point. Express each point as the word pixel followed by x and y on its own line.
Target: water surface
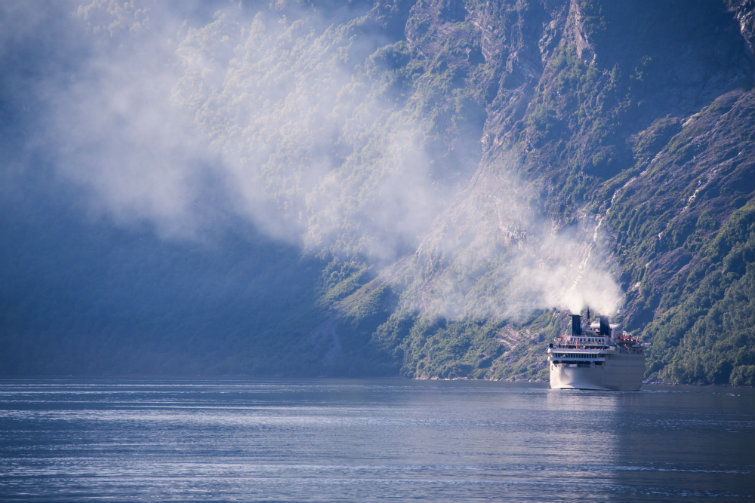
pixel 371 441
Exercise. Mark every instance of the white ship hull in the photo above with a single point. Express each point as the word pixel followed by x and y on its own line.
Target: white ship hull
pixel 619 372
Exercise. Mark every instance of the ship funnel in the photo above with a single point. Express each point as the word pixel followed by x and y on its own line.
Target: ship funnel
pixel 576 324
pixel 605 327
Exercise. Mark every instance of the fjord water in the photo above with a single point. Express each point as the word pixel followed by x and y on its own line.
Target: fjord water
pixel 370 440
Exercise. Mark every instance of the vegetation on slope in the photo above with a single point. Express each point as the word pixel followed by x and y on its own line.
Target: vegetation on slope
pixel 658 137
pixel 637 116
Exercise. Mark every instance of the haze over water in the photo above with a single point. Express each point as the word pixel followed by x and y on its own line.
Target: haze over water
pixel 370 440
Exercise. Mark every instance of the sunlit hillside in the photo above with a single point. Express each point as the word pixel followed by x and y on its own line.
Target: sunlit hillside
pixel 427 189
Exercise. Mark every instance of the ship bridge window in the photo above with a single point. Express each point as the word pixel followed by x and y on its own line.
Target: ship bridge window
pixel 575 355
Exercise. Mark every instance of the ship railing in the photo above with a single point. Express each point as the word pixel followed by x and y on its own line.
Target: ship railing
pixel 582 341
pixel 571 356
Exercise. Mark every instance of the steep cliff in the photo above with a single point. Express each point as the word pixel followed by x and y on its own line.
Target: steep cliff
pixel 423 188
pixel 631 119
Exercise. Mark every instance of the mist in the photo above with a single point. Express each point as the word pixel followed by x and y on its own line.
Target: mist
pixel 191 121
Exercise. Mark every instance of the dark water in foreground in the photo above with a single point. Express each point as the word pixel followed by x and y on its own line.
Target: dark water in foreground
pixel 371 440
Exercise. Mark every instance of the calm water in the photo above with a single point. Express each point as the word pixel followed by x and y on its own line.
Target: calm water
pixel 372 440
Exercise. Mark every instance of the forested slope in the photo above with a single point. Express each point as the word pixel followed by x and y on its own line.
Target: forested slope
pixel 635 118
pixel 378 188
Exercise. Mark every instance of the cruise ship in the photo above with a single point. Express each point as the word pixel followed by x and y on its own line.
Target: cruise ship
pixel 596 357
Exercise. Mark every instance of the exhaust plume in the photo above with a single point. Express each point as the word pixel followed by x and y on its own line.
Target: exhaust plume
pixel 188 120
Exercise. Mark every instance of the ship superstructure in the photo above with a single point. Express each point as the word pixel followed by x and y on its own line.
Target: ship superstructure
pixel 598 357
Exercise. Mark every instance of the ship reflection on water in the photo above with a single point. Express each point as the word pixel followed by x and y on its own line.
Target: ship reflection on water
pixel 659 444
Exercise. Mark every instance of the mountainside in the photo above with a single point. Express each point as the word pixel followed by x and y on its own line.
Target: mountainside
pixel 632 118
pixel 418 188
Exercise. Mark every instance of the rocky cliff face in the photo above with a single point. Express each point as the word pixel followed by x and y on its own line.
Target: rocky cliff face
pixel 631 118
pixel 416 187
